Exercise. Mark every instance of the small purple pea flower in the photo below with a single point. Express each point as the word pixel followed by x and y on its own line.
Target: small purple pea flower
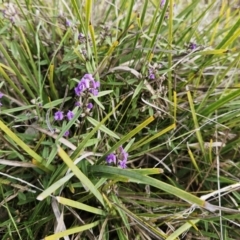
pixel 80 88
pixel 111 158
pixel 58 116
pixel 93 91
pixel 89 105
pixel 70 115
pixel 151 76
pixel 192 46
pixel 87 82
pixel 68 23
pixel 162 3
pixel 121 156
pixel 66 134
pixel 122 164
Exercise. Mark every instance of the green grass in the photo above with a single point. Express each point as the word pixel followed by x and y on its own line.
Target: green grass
pixel 180 129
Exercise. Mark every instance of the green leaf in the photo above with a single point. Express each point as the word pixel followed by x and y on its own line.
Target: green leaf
pixel 102 128
pixel 84 207
pixel 71 231
pixel 26 148
pixel 150 181
pixel 78 173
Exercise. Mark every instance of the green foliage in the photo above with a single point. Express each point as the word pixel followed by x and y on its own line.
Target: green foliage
pixel 169 95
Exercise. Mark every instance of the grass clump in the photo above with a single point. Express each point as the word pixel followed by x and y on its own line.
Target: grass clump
pixel 119 120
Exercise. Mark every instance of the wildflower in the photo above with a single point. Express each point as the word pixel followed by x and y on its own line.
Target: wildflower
pixel 97 84
pixel 88 78
pixel 89 105
pixel 80 88
pixel 93 91
pixel 151 75
pixel 66 133
pixel 162 3
pixel 87 82
pixel 70 115
pixel 122 164
pixel 81 38
pixel 58 116
pixel 68 23
pixel 121 156
pixel 192 46
pixel 111 158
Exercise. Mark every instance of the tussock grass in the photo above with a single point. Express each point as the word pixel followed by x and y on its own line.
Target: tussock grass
pixel 169 95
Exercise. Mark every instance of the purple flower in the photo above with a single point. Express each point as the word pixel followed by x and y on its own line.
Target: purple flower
pixel 81 38
pixel 192 46
pixel 66 134
pixel 80 88
pixel 70 115
pixel 97 84
pixel 88 77
pixel 89 105
pixel 87 82
pixel 1 95
pixel 123 155
pixel 111 158
pixel 122 164
pixel 151 76
pixel 58 116
pixel 68 23
pixel 162 3
pixel 93 91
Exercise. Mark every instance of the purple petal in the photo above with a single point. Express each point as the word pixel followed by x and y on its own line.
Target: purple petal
pixel 58 116
pixel 111 158
pixel 66 134
pixel 162 3
pixel 151 76
pixel 90 106
pixel 123 164
pixel 89 77
pixel 70 115
pixel 123 155
pixel 93 91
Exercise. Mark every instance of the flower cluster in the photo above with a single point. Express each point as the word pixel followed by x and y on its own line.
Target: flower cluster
pixel 151 74
pixel 58 116
pixel 1 95
pixel 120 157
pixel 87 83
